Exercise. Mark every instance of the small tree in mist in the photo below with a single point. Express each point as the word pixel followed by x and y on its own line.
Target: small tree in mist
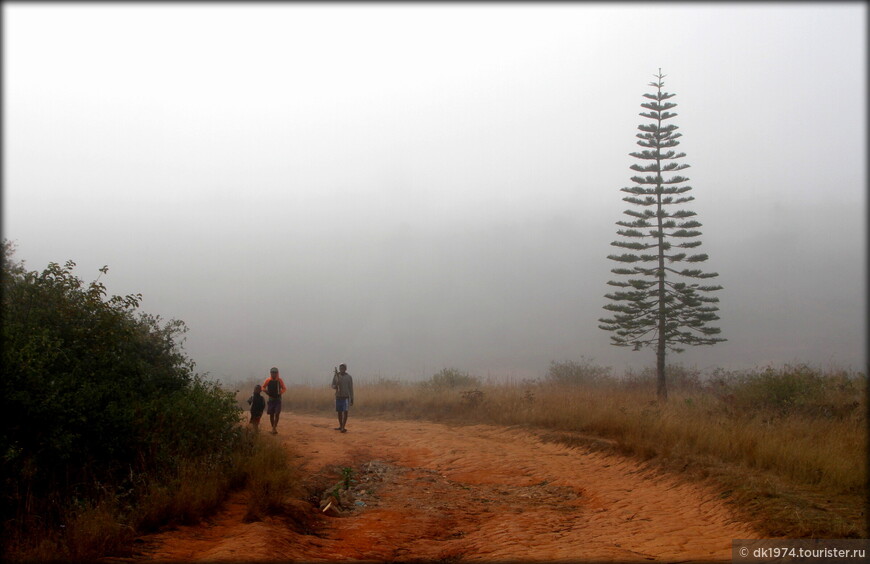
pixel 585 372
pixel 656 306
pixel 451 378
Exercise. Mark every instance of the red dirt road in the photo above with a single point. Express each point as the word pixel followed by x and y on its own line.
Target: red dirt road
pixel 426 491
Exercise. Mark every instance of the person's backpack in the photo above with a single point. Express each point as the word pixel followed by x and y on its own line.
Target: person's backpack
pixel 273 388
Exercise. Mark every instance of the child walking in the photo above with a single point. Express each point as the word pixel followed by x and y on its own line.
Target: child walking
pixel 258 405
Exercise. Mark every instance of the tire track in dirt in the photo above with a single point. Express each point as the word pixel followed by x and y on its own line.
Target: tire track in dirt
pixel 469 493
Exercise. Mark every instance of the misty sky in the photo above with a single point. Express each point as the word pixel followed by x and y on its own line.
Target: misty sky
pixel 408 187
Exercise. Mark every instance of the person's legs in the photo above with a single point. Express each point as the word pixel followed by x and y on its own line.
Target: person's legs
pixel 277 416
pixel 340 411
pixel 342 420
pixel 273 407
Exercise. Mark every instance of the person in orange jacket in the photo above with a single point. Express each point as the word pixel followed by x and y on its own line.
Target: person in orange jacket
pixel 274 388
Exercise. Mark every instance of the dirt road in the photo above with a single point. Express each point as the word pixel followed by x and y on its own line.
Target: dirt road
pixel 426 491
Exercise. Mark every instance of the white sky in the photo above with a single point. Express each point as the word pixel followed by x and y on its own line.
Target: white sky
pixel 407 187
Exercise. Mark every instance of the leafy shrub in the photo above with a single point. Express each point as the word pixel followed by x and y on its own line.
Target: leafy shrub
pixel 780 389
pixel 452 378
pixel 798 389
pixel 472 398
pixel 577 373
pixel 97 398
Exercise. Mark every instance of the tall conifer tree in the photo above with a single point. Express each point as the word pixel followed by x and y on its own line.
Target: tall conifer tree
pixel 660 304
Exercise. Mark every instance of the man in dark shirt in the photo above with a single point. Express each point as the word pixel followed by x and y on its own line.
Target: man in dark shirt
pixel 342 383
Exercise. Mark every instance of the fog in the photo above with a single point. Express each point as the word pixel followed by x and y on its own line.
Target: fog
pixel 409 187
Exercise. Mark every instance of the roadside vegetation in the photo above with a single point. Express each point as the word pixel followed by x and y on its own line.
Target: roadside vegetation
pixel 109 432
pixel 786 446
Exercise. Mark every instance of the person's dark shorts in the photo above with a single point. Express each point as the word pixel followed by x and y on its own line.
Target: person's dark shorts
pixel 341 404
pixel 273 406
pixel 255 418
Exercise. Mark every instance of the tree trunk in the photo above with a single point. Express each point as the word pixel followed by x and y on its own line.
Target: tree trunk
pixel 662 387
pixel 661 384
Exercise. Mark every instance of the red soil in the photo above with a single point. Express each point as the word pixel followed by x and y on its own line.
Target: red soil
pixel 427 491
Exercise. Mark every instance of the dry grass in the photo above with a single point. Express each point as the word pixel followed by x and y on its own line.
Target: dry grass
pixel 90 531
pixel 197 490
pixel 787 446
pixel 108 526
pixel 272 478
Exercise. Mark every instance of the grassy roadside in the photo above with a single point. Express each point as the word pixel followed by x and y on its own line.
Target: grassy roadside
pixel 108 432
pixel 108 525
pixel 786 448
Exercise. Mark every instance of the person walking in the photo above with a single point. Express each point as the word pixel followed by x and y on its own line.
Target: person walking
pixel 342 383
pixel 258 405
pixel 275 388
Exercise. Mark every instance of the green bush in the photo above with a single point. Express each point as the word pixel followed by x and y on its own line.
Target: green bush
pixel 451 378
pixel 796 389
pixel 780 389
pixel 577 373
pixel 96 396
